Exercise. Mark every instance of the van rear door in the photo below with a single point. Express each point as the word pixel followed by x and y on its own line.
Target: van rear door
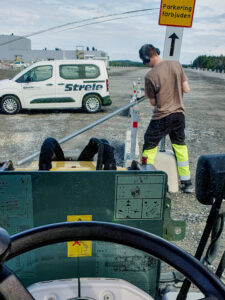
pixel 75 80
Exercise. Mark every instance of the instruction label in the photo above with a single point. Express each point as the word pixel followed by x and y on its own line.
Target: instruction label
pixel 118 261
pixel 139 196
pixel 79 248
pixel 16 215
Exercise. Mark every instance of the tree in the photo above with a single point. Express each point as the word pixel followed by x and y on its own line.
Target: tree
pixel 210 62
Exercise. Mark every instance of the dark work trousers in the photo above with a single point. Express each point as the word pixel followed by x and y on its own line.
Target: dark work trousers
pixel 173 125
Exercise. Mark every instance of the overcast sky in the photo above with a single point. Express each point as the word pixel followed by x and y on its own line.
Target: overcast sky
pixel 122 38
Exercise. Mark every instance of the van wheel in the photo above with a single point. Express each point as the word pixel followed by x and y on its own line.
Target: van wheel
pixel 92 103
pixel 10 105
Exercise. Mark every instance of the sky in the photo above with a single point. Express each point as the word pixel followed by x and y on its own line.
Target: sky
pixel 121 38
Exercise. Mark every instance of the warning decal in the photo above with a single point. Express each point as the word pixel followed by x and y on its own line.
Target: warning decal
pixel 79 248
pixel 139 197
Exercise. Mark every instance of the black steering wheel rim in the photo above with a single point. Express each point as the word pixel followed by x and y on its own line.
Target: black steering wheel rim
pixel 185 263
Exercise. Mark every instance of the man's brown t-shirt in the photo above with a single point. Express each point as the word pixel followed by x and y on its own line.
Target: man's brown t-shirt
pixel 164 83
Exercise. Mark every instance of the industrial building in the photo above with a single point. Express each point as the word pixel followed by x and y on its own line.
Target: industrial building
pixel 18 48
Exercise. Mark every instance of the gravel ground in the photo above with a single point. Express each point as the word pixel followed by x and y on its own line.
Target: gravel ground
pixel 22 134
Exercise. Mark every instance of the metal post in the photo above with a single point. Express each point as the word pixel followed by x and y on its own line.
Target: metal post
pixel 139 88
pixel 134 120
pixel 134 96
pixel 163 145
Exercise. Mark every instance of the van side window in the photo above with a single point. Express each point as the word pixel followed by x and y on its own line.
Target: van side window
pixel 80 71
pixel 36 74
pixel 69 71
pixel 91 71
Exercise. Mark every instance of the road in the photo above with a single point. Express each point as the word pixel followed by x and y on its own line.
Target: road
pixel 22 134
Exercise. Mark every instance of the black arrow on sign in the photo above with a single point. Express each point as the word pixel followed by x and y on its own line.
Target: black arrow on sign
pixel 173 38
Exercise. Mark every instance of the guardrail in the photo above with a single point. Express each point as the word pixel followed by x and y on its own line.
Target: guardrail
pixel 209 72
pixel 133 102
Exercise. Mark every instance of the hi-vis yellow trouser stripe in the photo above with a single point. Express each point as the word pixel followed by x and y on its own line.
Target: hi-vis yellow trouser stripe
pixel 183 169
pixel 150 154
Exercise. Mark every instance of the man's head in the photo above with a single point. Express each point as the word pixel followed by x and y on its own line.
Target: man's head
pixel 148 53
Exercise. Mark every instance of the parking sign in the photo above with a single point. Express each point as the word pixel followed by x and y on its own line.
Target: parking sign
pixel 176 13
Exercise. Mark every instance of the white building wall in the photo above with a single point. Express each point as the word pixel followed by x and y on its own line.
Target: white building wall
pixel 12 46
pixel 13 42
pixel 36 55
pixel 21 48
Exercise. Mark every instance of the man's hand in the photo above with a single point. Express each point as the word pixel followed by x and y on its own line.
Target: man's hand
pixel 152 101
pixel 185 86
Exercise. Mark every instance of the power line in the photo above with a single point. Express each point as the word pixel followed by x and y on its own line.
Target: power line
pixel 98 22
pixel 76 22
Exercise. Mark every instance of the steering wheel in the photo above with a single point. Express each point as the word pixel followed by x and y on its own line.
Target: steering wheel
pixel 11 288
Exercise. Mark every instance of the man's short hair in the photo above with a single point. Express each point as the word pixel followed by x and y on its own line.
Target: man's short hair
pixel 152 51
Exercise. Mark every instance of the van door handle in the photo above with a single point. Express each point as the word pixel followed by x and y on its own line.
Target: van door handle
pixel 49 84
pixel 61 83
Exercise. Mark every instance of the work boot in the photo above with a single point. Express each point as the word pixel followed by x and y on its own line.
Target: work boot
pixel 50 151
pixel 89 151
pixel 108 157
pixel 187 187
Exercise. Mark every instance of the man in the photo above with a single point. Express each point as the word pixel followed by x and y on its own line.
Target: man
pixel 165 84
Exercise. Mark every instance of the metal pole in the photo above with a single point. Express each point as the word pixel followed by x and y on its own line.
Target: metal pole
pixel 134 130
pixel 69 137
pixel 163 145
pixel 139 88
pixel 134 114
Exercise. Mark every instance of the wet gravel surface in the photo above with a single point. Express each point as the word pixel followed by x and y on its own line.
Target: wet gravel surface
pixel 23 134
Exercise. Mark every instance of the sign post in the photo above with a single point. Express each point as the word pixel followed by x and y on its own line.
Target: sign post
pixel 172 44
pixel 175 14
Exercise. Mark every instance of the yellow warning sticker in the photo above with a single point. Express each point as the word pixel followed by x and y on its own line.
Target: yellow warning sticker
pixel 79 248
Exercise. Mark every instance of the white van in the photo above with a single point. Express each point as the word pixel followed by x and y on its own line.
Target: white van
pixel 57 84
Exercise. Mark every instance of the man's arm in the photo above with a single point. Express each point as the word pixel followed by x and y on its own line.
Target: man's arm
pixel 150 91
pixel 185 86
